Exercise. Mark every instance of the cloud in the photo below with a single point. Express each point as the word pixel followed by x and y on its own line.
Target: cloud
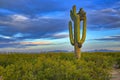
pixel 108 10
pixel 109 38
pixel 22 20
pixel 99 18
pixel 104 17
pixel 32 6
pixel 17 28
pixel 33 27
pixel 60 35
pixel 5 37
pixel 23 44
pixel 17 17
pixel 36 43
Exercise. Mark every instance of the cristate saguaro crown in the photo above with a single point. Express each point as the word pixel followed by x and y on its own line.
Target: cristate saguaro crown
pixel 75 38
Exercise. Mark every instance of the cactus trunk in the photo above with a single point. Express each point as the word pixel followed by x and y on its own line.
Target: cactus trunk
pixel 75 39
pixel 77 51
pixel 76 45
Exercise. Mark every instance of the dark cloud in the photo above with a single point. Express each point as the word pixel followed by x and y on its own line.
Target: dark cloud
pixel 104 19
pixel 110 38
pixel 34 28
pixel 6 40
pixel 32 6
pixel 9 44
pixel 25 18
pixel 97 17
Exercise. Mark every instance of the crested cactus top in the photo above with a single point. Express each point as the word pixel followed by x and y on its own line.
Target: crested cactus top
pixel 82 14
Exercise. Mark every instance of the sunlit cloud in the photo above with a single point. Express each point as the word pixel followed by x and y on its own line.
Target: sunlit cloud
pixel 37 43
pixel 6 37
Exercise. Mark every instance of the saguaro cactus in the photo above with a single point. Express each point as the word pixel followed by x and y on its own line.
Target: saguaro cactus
pixel 75 38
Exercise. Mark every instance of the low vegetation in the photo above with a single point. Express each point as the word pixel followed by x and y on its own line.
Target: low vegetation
pixel 57 66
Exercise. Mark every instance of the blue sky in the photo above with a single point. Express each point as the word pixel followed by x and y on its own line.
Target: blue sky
pixel 42 25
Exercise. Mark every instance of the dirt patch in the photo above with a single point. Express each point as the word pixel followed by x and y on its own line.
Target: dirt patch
pixel 115 74
pixel 1 78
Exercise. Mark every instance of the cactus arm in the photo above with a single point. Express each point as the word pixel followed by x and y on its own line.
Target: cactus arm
pixel 73 13
pixel 74 10
pixel 71 33
pixel 84 31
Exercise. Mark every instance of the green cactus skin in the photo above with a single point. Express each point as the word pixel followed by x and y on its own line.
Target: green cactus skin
pixel 75 39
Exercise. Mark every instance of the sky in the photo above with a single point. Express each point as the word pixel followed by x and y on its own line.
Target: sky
pixel 42 25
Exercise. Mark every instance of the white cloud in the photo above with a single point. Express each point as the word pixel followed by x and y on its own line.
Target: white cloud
pixel 108 10
pixel 61 35
pixel 18 17
pixel 6 37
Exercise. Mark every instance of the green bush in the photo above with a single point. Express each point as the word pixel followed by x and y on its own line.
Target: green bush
pixel 60 66
pixel 118 62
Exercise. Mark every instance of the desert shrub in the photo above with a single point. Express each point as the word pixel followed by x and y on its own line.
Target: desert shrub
pixel 60 66
pixel 18 71
pixel 118 62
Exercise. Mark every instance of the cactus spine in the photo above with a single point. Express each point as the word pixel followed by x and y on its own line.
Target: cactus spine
pixel 75 38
